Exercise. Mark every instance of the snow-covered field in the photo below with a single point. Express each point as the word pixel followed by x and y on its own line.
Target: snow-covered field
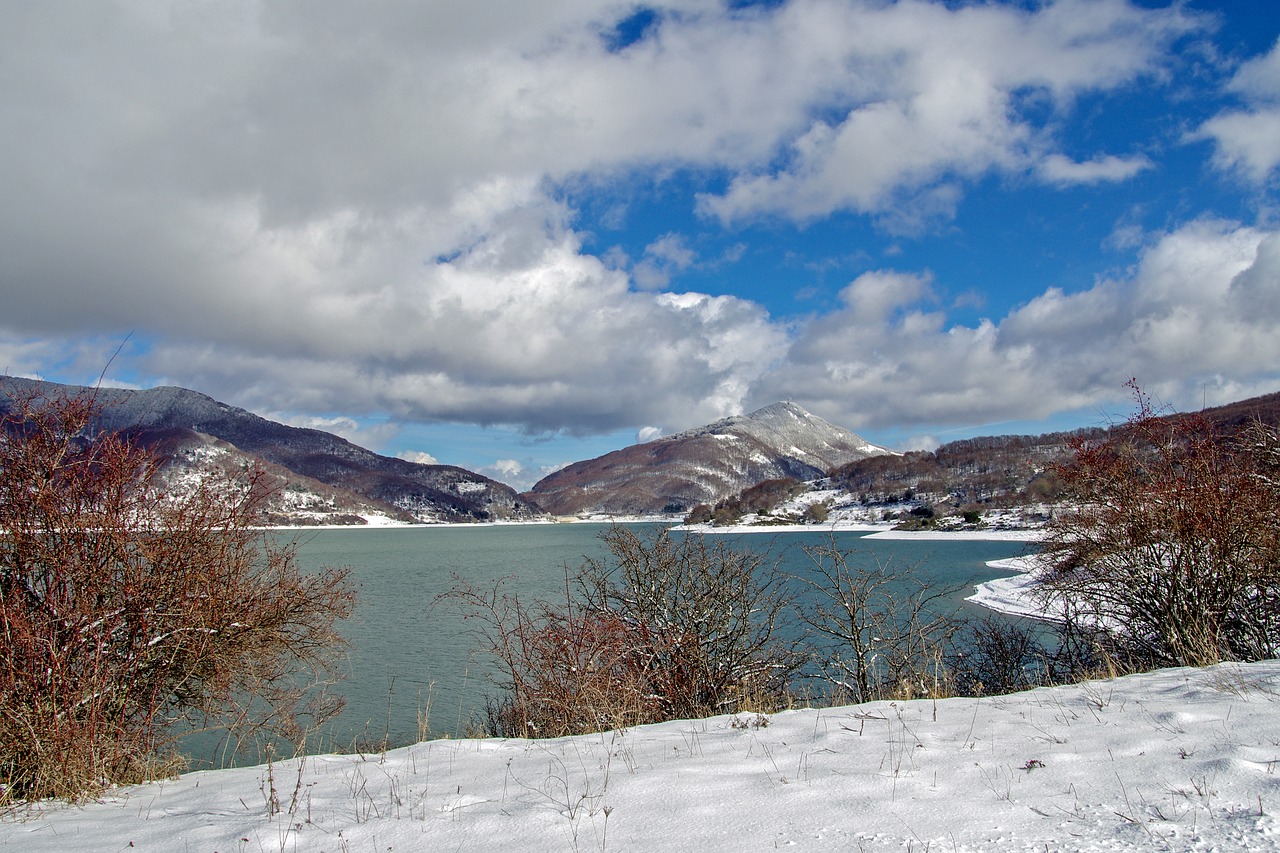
pixel 1182 759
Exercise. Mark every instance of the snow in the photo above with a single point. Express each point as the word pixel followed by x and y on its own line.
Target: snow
pixel 1181 760
pixel 979 534
pixel 1014 595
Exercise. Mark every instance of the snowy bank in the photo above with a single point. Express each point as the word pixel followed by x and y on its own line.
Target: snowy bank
pixel 978 534
pixel 1014 595
pixel 1182 759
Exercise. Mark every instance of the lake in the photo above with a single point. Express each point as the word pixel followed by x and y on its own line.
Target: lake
pixel 410 657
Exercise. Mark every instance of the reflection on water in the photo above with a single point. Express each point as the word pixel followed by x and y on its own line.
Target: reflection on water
pixel 410 657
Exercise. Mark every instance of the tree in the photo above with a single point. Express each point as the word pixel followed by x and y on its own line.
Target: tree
pixel 127 607
pixel 817 513
pixel 880 632
pixel 664 628
pixel 1174 542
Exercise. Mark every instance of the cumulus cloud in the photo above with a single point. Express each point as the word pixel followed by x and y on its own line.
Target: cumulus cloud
pixel 1058 169
pixel 419 456
pixel 648 433
pixel 664 257
pixel 1248 140
pixel 931 96
pixel 370 435
pixel 921 442
pixel 519 475
pixel 1199 313
pixel 311 207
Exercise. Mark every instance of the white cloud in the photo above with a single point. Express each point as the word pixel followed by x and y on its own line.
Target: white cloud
pixel 509 467
pixel 1057 169
pixel 662 258
pixel 1248 140
pixel 1200 311
pixel 648 433
pixel 519 475
pixel 931 97
pixel 521 326
pixel 1259 79
pixel 419 456
pixel 373 436
pixel 921 442
pixel 307 207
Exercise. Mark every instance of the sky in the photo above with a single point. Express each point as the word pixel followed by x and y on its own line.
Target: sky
pixel 515 234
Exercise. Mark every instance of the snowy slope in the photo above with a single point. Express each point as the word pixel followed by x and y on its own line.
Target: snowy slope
pixel 703 465
pixel 1182 759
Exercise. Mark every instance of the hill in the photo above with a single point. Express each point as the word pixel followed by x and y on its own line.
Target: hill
pixel 323 471
pixel 702 465
pixel 1006 480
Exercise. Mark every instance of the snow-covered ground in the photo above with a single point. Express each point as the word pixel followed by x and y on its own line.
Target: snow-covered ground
pixel 1013 594
pixel 1182 759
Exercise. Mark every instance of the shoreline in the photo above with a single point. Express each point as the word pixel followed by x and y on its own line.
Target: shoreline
pixel 873 530
pixel 1010 595
pixel 1013 595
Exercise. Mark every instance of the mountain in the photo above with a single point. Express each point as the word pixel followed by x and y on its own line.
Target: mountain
pixel 320 468
pixel 999 473
pixel 702 465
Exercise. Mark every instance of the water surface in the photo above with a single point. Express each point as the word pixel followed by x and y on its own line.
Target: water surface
pixel 414 661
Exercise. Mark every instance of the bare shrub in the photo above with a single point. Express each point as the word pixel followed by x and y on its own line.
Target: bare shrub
pixel 561 670
pixel 874 641
pixel 709 616
pixel 663 629
pixel 994 656
pixel 125 609
pixel 1173 545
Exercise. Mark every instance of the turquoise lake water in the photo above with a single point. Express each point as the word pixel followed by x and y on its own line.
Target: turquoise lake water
pixel 411 656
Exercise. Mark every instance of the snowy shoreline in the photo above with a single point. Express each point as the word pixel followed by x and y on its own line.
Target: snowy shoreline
pixel 1180 759
pixel 1014 595
pixel 1011 595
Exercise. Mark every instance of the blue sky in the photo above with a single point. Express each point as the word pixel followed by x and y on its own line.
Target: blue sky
pixel 511 235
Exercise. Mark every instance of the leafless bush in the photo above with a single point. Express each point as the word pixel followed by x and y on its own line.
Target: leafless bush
pixel 1175 544
pixel 994 656
pixel 875 642
pixel 710 618
pixel 664 629
pixel 561 670
pixel 125 609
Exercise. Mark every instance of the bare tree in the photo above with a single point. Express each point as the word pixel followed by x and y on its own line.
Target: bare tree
pixel 126 608
pixel 1173 544
pixel 883 631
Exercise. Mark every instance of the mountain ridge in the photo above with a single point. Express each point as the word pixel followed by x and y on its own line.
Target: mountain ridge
pixel 704 464
pixel 400 487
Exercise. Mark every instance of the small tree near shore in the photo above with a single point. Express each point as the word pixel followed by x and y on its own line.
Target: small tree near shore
pixel 1174 542
pixel 126 608
pixel 664 628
